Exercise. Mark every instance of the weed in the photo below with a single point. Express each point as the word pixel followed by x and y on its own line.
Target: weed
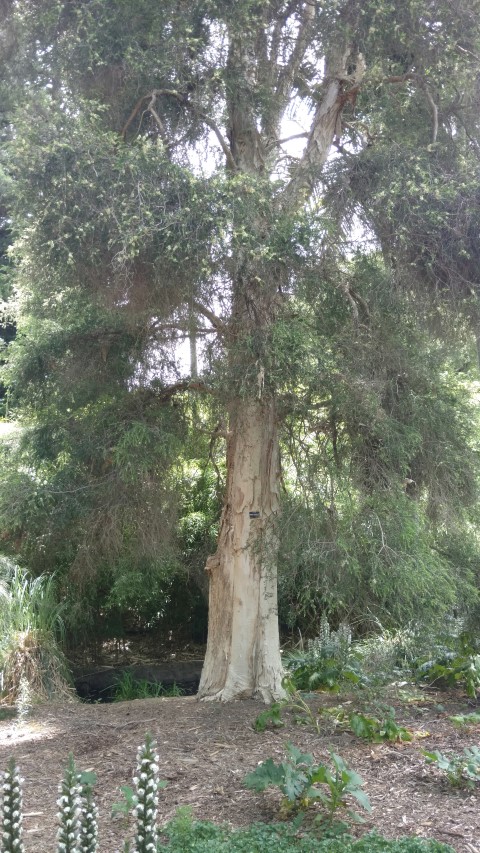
pixel 294 702
pixel 460 770
pixel 377 730
pixel 298 779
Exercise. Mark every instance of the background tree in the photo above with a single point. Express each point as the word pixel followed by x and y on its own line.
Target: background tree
pixel 252 176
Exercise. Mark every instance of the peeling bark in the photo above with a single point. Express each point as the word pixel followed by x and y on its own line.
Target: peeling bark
pixel 243 657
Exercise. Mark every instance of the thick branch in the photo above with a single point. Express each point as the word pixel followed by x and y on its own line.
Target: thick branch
pixel 218 324
pixel 166 393
pixel 339 88
pixel 278 142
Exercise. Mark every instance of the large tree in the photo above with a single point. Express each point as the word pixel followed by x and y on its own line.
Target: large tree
pixel 208 169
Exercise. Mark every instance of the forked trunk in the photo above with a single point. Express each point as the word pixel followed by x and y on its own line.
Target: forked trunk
pixel 243 657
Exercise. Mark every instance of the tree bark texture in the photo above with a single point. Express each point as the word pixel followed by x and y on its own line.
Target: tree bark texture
pixel 243 657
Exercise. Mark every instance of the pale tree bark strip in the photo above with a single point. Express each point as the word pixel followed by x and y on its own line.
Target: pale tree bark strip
pixel 243 658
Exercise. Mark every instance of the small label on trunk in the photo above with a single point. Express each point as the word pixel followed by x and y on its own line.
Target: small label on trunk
pixel 254 514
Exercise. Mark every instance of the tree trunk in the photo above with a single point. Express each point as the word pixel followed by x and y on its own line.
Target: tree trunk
pixel 243 657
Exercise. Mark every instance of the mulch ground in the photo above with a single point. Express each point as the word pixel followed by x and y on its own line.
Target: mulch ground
pixel 206 749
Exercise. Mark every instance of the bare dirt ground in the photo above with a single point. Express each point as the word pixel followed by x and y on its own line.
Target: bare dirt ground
pixel 206 749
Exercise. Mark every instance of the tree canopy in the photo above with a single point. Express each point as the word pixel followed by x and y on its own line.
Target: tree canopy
pixel 245 273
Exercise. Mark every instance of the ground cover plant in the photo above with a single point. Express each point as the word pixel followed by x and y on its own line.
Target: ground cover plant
pixel 184 834
pixel 77 815
pixel 471 719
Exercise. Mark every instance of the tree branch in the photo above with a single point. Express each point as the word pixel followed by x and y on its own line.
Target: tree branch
pixel 164 394
pixel 281 78
pixel 326 125
pixel 218 324
pixel 278 142
pixel 287 74
pixel 184 101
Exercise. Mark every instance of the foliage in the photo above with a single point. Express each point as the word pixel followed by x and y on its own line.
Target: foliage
pixel 270 717
pixel 377 730
pixel 128 688
pixel 298 779
pixel 203 837
pixel 459 666
pixel 371 728
pixel 389 655
pixel 461 770
pixel 78 818
pixel 31 619
pixel 453 669
pixel 326 663
pixel 472 719
pixel 153 199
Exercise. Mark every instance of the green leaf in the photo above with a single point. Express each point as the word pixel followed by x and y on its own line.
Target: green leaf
pixel 361 798
pixel 267 773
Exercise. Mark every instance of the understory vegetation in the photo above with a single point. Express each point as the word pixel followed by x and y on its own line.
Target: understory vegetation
pixel 299 780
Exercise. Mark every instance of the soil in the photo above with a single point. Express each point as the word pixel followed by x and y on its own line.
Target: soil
pixel 206 749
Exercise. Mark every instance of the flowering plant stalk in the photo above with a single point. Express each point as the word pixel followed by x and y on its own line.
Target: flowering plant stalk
pixel 12 810
pixel 146 785
pixel 88 829
pixel 69 808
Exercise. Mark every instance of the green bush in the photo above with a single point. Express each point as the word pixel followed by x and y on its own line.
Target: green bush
pixel 302 782
pixel 326 663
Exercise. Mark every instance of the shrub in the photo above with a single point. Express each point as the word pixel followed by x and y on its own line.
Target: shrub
pixel 326 662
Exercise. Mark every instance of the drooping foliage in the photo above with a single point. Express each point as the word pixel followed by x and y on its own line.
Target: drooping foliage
pixel 132 217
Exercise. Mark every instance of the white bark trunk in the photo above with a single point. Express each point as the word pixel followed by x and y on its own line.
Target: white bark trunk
pixel 243 657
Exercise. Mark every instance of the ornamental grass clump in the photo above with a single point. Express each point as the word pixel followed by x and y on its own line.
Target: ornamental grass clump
pixel 12 810
pixel 31 632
